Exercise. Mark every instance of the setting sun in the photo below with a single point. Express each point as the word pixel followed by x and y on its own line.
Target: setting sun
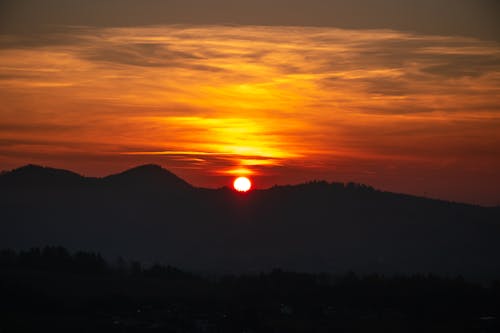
pixel 242 184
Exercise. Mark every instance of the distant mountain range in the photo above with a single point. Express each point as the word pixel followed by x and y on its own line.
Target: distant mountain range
pixel 149 214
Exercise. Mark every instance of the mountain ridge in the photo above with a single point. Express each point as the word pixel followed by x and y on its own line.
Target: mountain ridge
pixel 151 173
pixel 31 174
pixel 36 175
pixel 148 175
pixel 316 226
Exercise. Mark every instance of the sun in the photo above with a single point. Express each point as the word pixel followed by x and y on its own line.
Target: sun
pixel 242 184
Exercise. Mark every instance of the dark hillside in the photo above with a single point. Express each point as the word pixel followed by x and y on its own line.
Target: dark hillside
pixel 148 213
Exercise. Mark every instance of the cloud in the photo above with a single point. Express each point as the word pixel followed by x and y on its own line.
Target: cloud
pixel 438 17
pixel 138 54
pixel 211 100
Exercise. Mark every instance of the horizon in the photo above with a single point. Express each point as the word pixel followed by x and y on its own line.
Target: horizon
pixel 230 185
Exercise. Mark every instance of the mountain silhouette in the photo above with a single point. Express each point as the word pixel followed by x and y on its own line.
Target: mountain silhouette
pixel 34 175
pixel 149 214
pixel 147 176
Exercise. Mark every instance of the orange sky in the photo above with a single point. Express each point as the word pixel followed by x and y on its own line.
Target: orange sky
pixel 403 112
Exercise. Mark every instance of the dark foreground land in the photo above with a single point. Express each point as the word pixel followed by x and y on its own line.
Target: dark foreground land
pixel 151 215
pixel 52 290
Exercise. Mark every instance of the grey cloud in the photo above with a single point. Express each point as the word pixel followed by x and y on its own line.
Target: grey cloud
pixel 459 65
pixel 409 49
pixel 389 87
pixel 476 18
pixel 60 36
pixel 421 65
pixel 145 55
pixel 138 54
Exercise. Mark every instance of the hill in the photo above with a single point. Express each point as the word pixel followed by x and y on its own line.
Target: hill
pixel 149 214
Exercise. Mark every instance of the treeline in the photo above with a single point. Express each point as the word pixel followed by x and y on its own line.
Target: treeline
pixel 59 259
pixel 82 289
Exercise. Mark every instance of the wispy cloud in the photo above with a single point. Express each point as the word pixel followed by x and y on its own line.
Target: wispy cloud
pixel 225 99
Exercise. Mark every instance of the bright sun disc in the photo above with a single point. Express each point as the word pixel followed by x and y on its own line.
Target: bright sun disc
pixel 242 184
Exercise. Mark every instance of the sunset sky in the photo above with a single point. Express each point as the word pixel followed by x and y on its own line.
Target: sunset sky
pixel 401 95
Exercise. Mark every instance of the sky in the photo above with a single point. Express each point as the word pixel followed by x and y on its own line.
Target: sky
pixel 400 95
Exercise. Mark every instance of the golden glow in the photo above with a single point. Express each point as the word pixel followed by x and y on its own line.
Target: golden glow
pixel 238 171
pixel 286 104
pixel 242 184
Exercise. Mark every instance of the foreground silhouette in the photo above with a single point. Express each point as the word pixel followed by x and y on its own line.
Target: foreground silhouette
pixel 51 289
pixel 149 214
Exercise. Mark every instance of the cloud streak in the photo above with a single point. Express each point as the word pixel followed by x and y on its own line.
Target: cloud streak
pixel 219 100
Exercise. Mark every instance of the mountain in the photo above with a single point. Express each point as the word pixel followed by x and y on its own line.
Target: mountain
pixel 149 214
pixel 34 175
pixel 147 176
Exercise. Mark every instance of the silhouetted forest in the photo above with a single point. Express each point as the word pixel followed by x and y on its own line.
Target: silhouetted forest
pixel 53 290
